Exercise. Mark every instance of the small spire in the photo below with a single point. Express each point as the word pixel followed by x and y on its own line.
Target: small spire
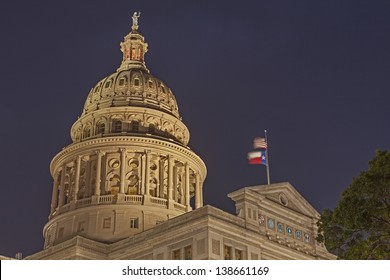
pixel 135 17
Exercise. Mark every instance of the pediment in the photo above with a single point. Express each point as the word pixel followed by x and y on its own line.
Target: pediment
pixel 285 195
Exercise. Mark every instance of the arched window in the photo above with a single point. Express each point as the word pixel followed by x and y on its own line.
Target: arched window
pixel 87 132
pixel 134 126
pixel 117 126
pixel 152 129
pixel 121 81
pixel 100 128
pixel 108 84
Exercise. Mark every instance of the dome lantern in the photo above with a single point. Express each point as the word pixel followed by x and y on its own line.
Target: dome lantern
pixel 133 47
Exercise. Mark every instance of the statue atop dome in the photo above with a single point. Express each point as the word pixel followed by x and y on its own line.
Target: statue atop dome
pixel 135 17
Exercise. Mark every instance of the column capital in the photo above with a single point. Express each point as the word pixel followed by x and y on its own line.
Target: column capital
pixel 99 153
pixel 122 150
pixel 170 157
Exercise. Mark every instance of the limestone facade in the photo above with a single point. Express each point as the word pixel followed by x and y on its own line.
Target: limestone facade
pixel 209 233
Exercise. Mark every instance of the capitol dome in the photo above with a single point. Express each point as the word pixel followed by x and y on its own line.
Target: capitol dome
pixel 117 103
pixel 129 167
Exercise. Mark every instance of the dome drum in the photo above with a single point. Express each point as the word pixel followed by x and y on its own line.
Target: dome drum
pixel 132 173
pixel 129 121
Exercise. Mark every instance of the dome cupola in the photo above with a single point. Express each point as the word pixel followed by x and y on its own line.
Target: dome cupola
pixel 133 47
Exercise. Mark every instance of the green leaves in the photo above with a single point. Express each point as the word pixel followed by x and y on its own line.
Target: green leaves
pixel 359 227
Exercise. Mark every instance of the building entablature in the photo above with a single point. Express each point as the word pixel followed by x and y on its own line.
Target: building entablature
pixel 133 144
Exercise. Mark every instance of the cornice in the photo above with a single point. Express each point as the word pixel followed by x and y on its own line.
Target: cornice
pixel 131 142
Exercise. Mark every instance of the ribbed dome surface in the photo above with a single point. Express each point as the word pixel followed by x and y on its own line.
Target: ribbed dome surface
pixel 132 84
pixel 131 87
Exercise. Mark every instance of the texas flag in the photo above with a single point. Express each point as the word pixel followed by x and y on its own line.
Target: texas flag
pixel 257 157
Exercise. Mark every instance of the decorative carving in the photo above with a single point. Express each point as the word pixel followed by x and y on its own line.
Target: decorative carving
pixel 133 163
pixel 114 163
pixel 135 17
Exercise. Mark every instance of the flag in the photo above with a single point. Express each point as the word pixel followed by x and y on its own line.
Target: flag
pixel 257 157
pixel 260 143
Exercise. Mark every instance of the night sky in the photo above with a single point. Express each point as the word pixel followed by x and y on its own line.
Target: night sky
pixel 314 73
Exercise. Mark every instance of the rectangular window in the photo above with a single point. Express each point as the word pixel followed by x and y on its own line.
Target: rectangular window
pixel 81 227
pixel 107 223
pixel 238 254
pixel 176 254
pixel 188 253
pixel 228 252
pixel 134 223
pixel 60 232
pixel 121 81
pixel 249 213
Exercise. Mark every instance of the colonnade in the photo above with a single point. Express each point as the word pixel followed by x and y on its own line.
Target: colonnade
pixel 64 193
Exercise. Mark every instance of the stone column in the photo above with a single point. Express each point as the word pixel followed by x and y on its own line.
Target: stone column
pixel 147 172
pixel 201 193
pixel 187 186
pixel 175 183
pixel 197 192
pixel 77 177
pixel 62 186
pixel 123 170
pixel 143 161
pixel 170 177
pixel 161 179
pixel 54 196
pixel 98 172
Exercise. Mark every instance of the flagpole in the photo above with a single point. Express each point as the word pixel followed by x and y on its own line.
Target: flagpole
pixel 266 155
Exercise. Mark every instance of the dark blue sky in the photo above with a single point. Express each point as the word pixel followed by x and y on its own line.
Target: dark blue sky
pixel 315 74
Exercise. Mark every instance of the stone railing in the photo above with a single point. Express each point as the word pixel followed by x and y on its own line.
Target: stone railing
pixel 115 199
pixel 179 206
pixel 159 201
pixel 83 202
pixel 106 199
pixel 133 199
pixel 64 208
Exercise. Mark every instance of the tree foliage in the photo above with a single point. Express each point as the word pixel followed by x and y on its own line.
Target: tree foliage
pixel 359 227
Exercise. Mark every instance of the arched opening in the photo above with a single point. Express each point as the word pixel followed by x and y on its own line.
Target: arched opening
pixel 152 129
pixel 134 126
pixel 100 128
pixel 87 132
pixel 133 182
pixel 117 126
